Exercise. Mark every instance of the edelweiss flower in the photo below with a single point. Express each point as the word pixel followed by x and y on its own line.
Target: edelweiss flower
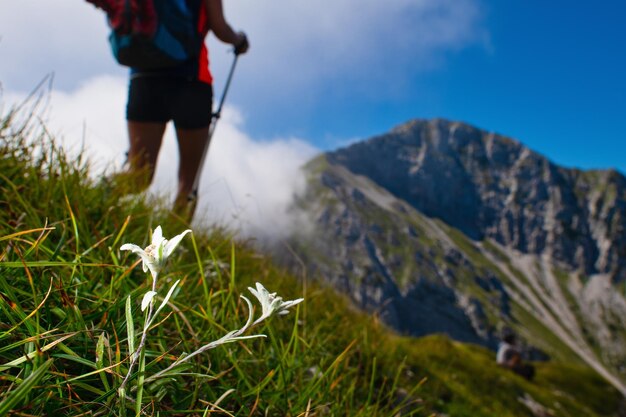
pixel 271 303
pixel 156 254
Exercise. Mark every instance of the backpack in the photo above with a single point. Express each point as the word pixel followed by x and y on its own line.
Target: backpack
pixel 151 34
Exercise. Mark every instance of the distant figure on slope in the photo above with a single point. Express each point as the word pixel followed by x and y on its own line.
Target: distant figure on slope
pixel 509 356
pixel 183 94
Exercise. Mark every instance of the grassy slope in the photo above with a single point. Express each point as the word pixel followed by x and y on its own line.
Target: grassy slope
pixel 63 286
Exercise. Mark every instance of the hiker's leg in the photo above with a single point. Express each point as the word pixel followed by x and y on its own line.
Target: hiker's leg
pixel 527 371
pixel 145 142
pixel 192 118
pixel 191 144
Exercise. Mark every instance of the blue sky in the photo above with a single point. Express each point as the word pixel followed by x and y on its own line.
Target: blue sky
pixel 550 74
pixel 323 74
pixel 555 79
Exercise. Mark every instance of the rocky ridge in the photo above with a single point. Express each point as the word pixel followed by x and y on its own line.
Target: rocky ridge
pixel 497 188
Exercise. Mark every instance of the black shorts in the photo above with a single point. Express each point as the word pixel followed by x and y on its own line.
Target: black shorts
pixel 156 98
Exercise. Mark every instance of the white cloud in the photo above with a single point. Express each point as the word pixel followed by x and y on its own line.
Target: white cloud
pixel 90 117
pixel 65 37
pixel 251 182
pixel 246 185
pixel 300 43
pixel 301 50
pixel 297 45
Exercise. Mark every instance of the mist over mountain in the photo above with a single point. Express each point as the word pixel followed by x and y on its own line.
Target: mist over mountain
pixel 441 227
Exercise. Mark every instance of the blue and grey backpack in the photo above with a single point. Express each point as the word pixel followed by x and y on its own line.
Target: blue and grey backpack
pixel 149 34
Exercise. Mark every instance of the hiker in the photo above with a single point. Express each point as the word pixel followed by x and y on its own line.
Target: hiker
pixel 510 357
pixel 183 94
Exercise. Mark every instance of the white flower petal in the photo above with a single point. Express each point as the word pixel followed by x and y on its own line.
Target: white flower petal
pixel 175 241
pixel 131 247
pixel 167 298
pixel 156 254
pixel 254 292
pixel 270 302
pixel 154 268
pixel 157 236
pixel 147 298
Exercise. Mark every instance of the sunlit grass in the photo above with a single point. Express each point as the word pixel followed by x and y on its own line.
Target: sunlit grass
pixel 70 318
pixel 67 330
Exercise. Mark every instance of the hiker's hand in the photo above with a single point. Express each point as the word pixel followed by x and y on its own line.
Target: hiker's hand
pixel 242 45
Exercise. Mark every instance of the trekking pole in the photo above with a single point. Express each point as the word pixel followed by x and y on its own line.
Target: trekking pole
pixel 214 118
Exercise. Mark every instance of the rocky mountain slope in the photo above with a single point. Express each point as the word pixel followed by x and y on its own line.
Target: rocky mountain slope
pixel 496 188
pixel 440 227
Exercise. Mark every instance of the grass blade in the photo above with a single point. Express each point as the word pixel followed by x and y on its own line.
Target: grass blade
pixel 130 326
pixel 166 299
pixel 29 356
pixel 16 397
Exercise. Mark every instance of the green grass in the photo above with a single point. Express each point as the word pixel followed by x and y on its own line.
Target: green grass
pixel 64 326
pixel 64 321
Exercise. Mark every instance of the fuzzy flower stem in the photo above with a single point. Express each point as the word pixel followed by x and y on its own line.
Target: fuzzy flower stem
pixel 233 336
pixel 270 303
pixel 144 334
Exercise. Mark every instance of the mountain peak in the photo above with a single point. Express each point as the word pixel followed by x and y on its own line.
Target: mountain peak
pixel 488 185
